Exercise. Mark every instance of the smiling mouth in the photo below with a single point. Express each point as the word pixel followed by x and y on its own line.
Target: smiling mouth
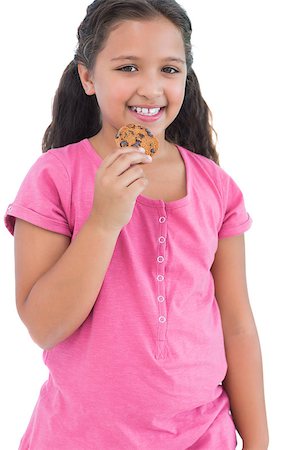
pixel 146 111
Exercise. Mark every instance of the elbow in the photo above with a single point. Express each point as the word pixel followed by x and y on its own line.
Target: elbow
pixel 51 338
pixel 40 336
pixel 45 342
pixel 45 335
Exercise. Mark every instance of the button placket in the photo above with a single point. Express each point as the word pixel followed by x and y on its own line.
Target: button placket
pixel 161 286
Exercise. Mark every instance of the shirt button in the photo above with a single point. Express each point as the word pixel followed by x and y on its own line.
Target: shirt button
pixel 162 220
pixel 160 278
pixel 160 259
pixel 162 240
pixel 160 298
pixel 9 208
pixel 162 319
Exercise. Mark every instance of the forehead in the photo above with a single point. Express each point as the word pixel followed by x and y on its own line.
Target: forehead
pixel 157 38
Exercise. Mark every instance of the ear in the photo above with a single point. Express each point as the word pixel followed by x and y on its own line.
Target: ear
pixel 86 80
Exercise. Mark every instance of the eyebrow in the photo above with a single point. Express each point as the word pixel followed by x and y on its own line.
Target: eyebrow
pixel 136 58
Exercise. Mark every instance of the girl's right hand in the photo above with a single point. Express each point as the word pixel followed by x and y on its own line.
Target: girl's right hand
pixel 118 182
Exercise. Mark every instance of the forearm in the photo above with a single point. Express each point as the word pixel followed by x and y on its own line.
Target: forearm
pixel 63 297
pixel 244 386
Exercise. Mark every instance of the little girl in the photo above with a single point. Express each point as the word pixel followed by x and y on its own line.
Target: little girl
pixel 130 272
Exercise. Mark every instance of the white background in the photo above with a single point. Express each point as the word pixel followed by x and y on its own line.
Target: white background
pixel 246 58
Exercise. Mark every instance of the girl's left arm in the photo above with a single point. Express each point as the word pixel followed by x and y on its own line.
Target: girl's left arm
pixel 244 379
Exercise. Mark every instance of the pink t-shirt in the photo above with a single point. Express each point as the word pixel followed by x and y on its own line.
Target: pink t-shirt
pixel 144 371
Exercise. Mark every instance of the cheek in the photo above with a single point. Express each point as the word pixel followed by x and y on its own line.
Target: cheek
pixel 118 91
pixel 109 90
pixel 177 92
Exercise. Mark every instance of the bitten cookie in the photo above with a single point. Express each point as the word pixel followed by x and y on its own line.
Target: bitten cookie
pixel 133 135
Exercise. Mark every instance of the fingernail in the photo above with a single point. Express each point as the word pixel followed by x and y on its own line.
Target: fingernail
pixel 141 149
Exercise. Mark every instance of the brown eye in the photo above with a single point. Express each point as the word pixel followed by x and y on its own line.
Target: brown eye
pixel 169 69
pixel 127 69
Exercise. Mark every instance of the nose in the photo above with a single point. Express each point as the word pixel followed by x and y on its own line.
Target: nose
pixel 150 86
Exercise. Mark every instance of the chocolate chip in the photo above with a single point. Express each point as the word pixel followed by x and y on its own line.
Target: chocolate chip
pixel 124 144
pixel 149 132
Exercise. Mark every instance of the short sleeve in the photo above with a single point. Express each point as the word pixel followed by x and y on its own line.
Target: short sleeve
pixel 43 198
pixel 236 219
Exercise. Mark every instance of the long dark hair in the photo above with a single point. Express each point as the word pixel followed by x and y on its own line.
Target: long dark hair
pixel 76 115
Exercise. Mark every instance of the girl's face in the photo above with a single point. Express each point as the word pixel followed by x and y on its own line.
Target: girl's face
pixel 140 75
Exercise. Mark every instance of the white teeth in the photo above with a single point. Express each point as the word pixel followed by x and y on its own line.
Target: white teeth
pixel 145 111
pixel 154 110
